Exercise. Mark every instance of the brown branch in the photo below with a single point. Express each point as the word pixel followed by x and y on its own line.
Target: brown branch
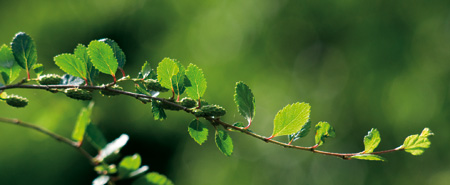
pixel 51 134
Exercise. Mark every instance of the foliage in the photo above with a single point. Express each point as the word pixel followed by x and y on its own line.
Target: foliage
pixel 105 56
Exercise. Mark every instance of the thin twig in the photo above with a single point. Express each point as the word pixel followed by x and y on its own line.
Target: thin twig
pixel 51 134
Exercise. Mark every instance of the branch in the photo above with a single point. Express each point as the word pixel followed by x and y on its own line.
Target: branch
pixel 51 134
pixel 213 121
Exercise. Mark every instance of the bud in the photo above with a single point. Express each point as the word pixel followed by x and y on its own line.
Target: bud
pixel 110 93
pixel 213 110
pixel 79 94
pixel 198 113
pixel 154 85
pixel 16 101
pixel 50 79
pixel 188 102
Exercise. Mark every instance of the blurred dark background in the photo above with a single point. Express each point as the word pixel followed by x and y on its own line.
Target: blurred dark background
pixel 360 64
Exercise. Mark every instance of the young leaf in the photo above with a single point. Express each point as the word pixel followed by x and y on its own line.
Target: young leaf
pixel 24 50
pixel 84 118
pixel 178 81
pixel 71 80
pixel 113 147
pixel 197 80
pixel 102 57
pixel 72 65
pixel 245 101
pixel 369 157
pixel 153 178
pixel 302 133
pixel 95 136
pixel 224 142
pixel 129 164
pixel 141 89
pixel 198 131
pixel 167 68
pixel 9 68
pixel 291 119
pixel 158 111
pixel 81 52
pixel 145 72
pixel 371 140
pixel 416 144
pixel 101 180
pixel 38 69
pixel 118 53
pixel 323 130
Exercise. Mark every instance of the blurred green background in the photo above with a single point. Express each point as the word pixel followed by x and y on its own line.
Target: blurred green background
pixel 360 64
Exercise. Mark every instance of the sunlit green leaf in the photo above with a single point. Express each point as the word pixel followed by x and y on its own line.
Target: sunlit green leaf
pixel 224 142
pixel 245 101
pixel 84 118
pixel 369 157
pixel 129 164
pixel 158 111
pixel 81 52
pixel 197 80
pixel 198 131
pixel 9 68
pixel 95 136
pixel 102 57
pixel 113 147
pixel 24 50
pixel 302 133
pixel 291 119
pixel 71 64
pixel 416 144
pixel 323 130
pixel 153 178
pixel 118 53
pixel 371 140
pixel 178 81
pixel 167 68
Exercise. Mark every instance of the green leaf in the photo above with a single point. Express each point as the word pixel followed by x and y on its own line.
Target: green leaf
pixel 118 53
pixel 84 118
pixel 302 133
pixel 38 69
pixel 81 52
pixel 197 80
pixel 129 164
pixel 245 101
pixel 102 57
pixel 371 140
pixel 153 178
pixel 71 64
pixel 369 157
pixel 323 130
pixel 167 68
pixel 71 80
pixel 224 142
pixel 416 144
pixel 146 71
pixel 198 131
pixel 178 81
pixel 24 50
pixel 95 136
pixel 101 180
pixel 158 111
pixel 113 147
pixel 9 68
pixel 291 119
